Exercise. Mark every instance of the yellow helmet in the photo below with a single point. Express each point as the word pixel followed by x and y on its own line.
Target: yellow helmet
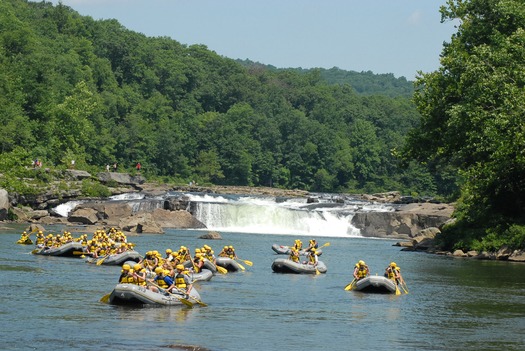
pixel 362 263
pixel 166 272
pixel 393 264
pixel 137 267
pixel 159 270
pixel 226 248
pixel 180 267
pixel 198 254
pixel 231 247
pixel 168 251
pixel 126 267
pixel 197 250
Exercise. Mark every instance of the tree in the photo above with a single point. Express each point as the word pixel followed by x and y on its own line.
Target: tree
pixel 473 112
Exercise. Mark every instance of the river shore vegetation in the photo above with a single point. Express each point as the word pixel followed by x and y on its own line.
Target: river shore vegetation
pixel 93 92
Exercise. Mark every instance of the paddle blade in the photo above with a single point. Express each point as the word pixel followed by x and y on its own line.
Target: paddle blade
pixel 324 245
pixel 397 291
pixel 241 266
pixel 249 263
pixel 222 270
pixel 199 301
pixel 105 298
pixel 185 302
pixel 99 262
pixel 349 286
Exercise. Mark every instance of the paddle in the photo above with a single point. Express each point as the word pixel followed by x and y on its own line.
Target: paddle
pixel 198 301
pixel 99 262
pixel 350 285
pixel 249 263
pixel 105 298
pixel 241 266
pixel 221 269
pixel 181 299
pixel 317 271
pixel 397 288
pixel 325 244
pixel 404 286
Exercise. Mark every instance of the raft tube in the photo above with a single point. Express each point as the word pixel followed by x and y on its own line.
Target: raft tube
pixel 66 250
pixel 138 295
pixel 285 250
pixel 375 284
pixel 118 259
pixel 230 264
pixel 285 265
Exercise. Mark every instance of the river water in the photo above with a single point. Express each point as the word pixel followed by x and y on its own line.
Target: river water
pixel 52 303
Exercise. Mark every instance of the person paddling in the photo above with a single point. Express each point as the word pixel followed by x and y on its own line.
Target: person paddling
pixel 393 272
pixel 182 281
pixel 294 254
pixel 361 270
pixel 312 257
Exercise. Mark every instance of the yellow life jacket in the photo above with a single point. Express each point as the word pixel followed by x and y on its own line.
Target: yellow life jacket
pixel 124 279
pixel 392 273
pixel 160 282
pixel 294 258
pixel 361 271
pixel 312 259
pixel 180 282
pixel 139 280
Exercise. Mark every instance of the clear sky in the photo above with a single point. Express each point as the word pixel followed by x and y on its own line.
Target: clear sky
pixel 382 36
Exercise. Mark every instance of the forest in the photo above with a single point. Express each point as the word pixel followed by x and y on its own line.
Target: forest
pixel 74 88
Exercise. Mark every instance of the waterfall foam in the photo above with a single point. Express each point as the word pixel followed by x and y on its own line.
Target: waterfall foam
pixel 266 215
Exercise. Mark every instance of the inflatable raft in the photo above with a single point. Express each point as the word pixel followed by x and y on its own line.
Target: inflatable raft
pixel 375 284
pixel 137 295
pixel 66 250
pixel 284 265
pixel 207 265
pixel 27 241
pixel 117 259
pixel 285 250
pixel 202 276
pixel 230 264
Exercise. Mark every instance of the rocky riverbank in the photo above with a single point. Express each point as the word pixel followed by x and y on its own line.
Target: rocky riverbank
pixel 414 222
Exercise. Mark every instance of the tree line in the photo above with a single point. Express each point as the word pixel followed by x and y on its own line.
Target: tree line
pixel 74 88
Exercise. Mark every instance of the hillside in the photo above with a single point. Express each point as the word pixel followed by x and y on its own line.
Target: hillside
pixel 95 92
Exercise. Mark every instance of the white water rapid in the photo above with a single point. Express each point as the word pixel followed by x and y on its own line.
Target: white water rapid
pixel 292 216
pixel 330 216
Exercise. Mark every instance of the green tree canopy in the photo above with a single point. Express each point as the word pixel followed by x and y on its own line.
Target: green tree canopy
pixel 473 113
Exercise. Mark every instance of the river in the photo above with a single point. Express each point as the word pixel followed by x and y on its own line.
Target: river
pixel 52 303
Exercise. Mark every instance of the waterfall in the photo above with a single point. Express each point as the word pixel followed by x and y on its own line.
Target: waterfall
pixel 269 216
pixel 329 215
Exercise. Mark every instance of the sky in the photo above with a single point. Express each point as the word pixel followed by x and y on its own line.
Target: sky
pixel 383 36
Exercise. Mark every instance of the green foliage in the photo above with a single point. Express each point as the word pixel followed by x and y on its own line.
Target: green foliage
pixel 94 189
pixel 473 117
pixel 72 88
